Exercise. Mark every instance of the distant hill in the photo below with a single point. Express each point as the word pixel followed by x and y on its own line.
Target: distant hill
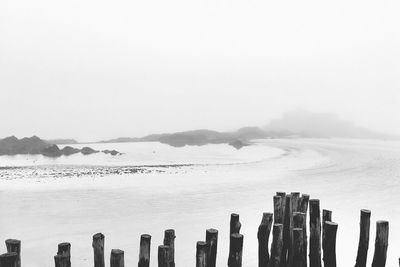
pixel 35 146
pixel 309 124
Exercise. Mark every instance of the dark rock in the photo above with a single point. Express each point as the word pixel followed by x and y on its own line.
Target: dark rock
pixel 51 151
pixel 238 144
pixel 112 152
pixel 87 151
pixel 66 151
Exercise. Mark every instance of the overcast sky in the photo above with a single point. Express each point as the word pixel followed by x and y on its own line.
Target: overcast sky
pixel 93 69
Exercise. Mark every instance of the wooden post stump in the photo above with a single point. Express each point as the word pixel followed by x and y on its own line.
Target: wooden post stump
pixel 283 197
pixel 14 245
pixel 163 258
pixel 98 250
pixel 315 234
pixel 381 244
pixel 330 231
pixel 117 258
pixel 65 249
pixel 235 224
pixel 235 250
pixel 286 230
pixel 278 210
pixel 201 254
pixel 169 240
pixel 9 259
pixel 212 241
pixel 61 261
pixel 276 246
pixel 264 231
pixel 297 245
pixel 144 252
pixel 299 221
pixel 363 243
pixel 303 207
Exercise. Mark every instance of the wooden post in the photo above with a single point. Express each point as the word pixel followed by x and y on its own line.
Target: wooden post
pixel 235 224
pixel 98 250
pixel 264 231
pixel 169 240
pixel 303 206
pixel 201 254
pixel 283 197
pixel 117 258
pixel 362 252
pixel 330 230
pixel 61 260
pixel 299 221
pixel 278 210
pixel 297 245
pixel 163 258
pixel 65 249
pixel 144 252
pixel 286 230
pixel 212 241
pixel 9 259
pixel 276 246
pixel 235 250
pixel 315 233
pixel 295 201
pixel 381 244
pixel 14 245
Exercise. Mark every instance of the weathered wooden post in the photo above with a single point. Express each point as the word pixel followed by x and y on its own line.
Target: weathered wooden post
pixel 299 221
pixel 276 246
pixel 297 245
pixel 61 261
pixel 14 245
pixel 144 251
pixel 235 224
pixel 264 231
pixel 295 201
pixel 169 240
pixel 286 230
pixel 283 197
pixel 117 258
pixel 278 210
pixel 315 233
pixel 362 252
pixel 303 206
pixel 163 258
pixel 235 250
pixel 212 241
pixel 98 250
pixel 330 230
pixel 381 244
pixel 201 254
pixel 9 259
pixel 65 249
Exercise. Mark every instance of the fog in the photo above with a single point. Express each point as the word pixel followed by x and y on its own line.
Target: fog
pixel 90 69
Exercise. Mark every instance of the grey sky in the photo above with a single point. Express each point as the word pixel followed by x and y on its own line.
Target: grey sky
pixel 99 69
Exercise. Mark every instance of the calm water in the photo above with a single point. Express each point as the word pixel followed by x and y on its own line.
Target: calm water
pixel 70 198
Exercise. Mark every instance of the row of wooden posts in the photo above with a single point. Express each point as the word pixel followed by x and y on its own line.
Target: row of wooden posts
pixel 288 248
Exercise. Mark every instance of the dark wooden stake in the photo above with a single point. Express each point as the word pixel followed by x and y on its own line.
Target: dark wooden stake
pixel 297 245
pixel 330 230
pixel 201 254
pixel 117 258
pixel 235 224
pixel 65 249
pixel 278 210
pixel 299 221
pixel 381 243
pixel 9 259
pixel 144 252
pixel 98 250
pixel 61 261
pixel 14 245
pixel 295 201
pixel 235 250
pixel 264 231
pixel 276 246
pixel 212 241
pixel 315 233
pixel 286 230
pixel 304 200
pixel 362 252
pixel 283 197
pixel 169 240
pixel 163 258
pixel 303 206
